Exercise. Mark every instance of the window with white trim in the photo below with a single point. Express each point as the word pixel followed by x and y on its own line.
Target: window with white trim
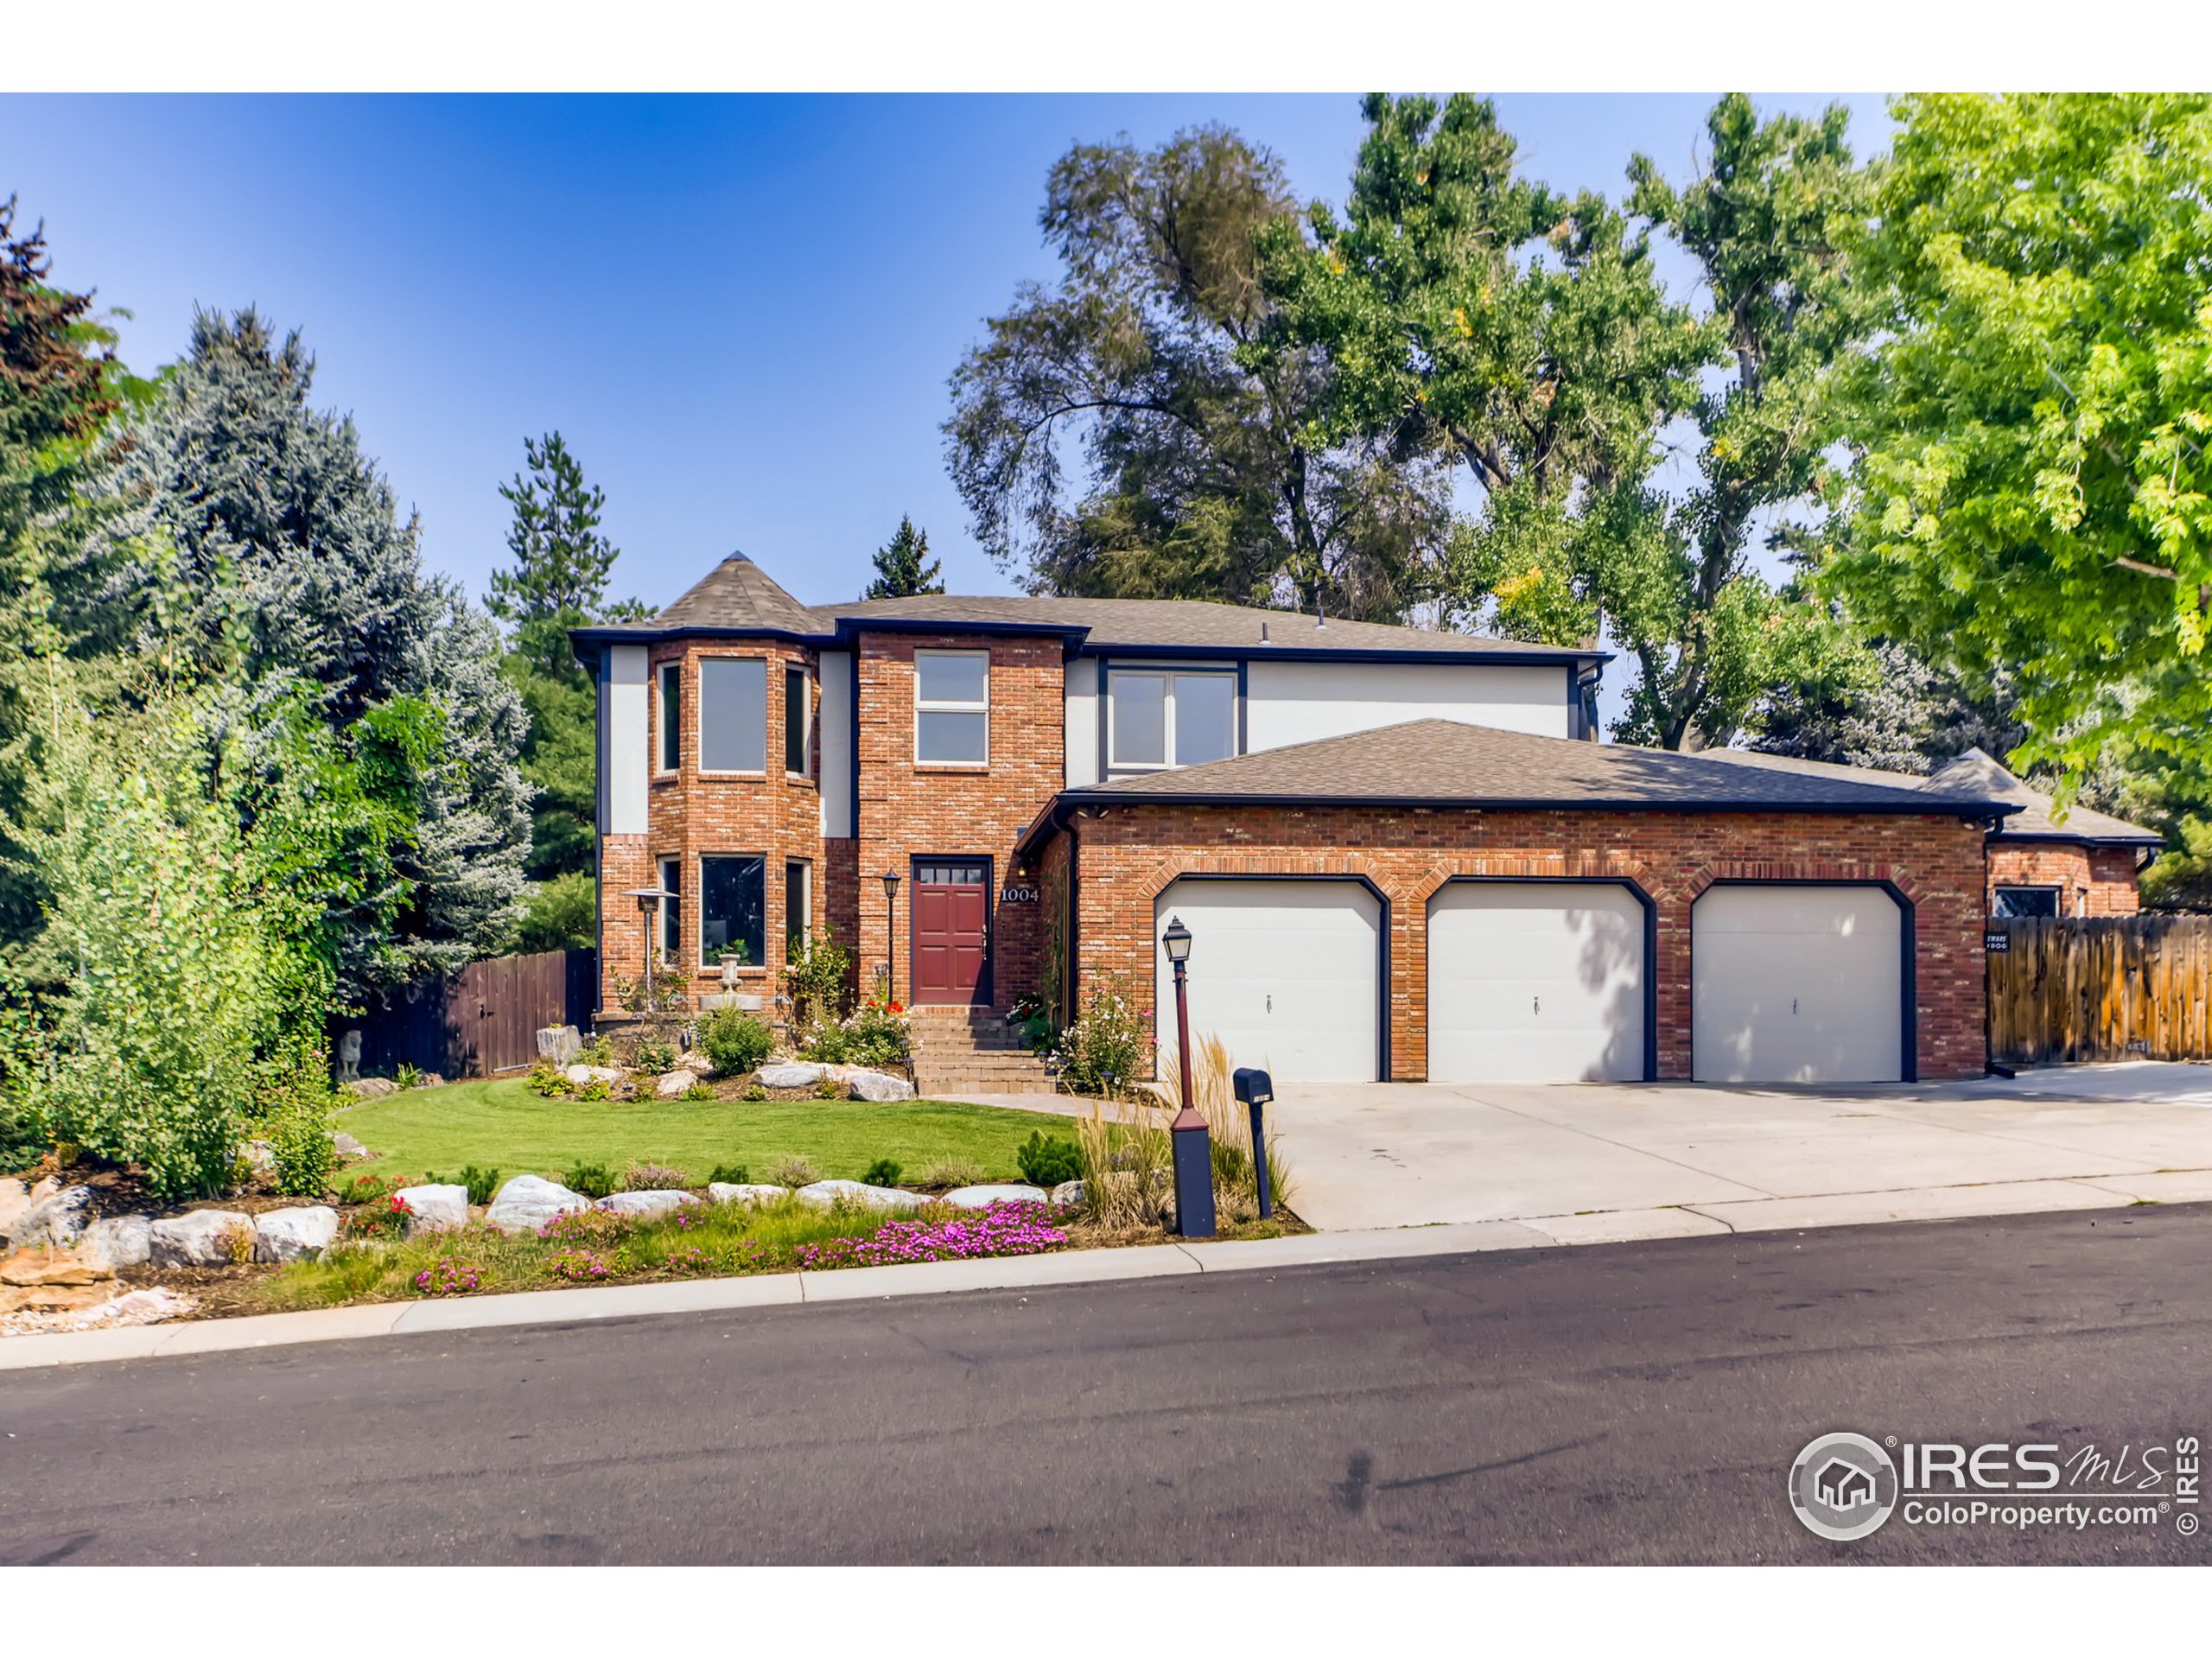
pixel 952 708
pixel 1161 718
pixel 733 713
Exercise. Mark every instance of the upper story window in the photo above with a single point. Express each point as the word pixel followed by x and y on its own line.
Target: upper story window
pixel 672 716
pixel 952 708
pixel 797 715
pixel 1158 718
pixel 733 713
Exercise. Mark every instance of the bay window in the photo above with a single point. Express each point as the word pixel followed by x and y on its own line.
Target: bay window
pixel 733 713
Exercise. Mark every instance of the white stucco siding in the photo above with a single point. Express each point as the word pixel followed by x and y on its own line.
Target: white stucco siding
pixel 1081 722
pixel 622 741
pixel 1298 702
pixel 835 715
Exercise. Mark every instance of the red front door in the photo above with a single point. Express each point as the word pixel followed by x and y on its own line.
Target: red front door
pixel 952 935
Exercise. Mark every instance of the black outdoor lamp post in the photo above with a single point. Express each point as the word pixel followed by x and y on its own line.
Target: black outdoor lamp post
pixel 891 936
pixel 649 900
pixel 1187 1135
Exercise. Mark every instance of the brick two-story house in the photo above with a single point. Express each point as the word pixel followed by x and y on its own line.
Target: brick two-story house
pixel 1400 852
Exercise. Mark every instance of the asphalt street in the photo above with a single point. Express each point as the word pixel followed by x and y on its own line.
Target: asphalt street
pixel 1639 1402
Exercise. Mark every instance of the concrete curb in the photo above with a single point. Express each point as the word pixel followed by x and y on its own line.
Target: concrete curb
pixel 1085 1266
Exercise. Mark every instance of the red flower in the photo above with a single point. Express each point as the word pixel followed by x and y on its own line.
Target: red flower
pixel 895 1008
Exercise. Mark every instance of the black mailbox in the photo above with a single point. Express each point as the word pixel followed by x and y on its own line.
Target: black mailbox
pixel 1254 1087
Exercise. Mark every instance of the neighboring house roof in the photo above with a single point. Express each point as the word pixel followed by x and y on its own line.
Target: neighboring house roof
pixel 738 597
pixel 1977 772
pixel 1445 763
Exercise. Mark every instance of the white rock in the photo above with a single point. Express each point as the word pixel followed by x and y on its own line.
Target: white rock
pixel 558 1043
pixel 697 1062
pixel 978 1198
pixel 580 1075
pixel 439 1209
pixel 880 1085
pixel 528 1202
pixel 56 1215
pixel 120 1241
pixel 200 1239
pixel 826 1193
pixel 746 1192
pixel 652 1202
pixel 288 1235
pixel 1068 1193
pixel 346 1147
pixel 790 1074
pixel 672 1083
pixel 14 1199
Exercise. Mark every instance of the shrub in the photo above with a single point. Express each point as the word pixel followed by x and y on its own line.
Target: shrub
pixel 656 1054
pixel 547 1081
pixel 756 1091
pixel 700 1091
pixel 875 1035
pixel 1102 1052
pixel 735 1041
pixel 597 1088
pixel 653 1178
pixel 884 1172
pixel 817 972
pixel 237 1243
pixel 827 1044
pixel 408 1076
pixel 951 1172
pixel 482 1184
pixel 832 1089
pixel 384 1219
pixel 1047 1162
pixel 735 1175
pixel 597 1051
pixel 367 1189
pixel 561 914
pixel 592 1181
pixel 793 1172
pixel 293 1105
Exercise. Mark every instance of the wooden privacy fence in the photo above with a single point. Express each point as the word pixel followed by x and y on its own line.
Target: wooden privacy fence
pixel 2113 988
pixel 482 1019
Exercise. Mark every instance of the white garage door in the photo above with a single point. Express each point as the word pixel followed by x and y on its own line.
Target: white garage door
pixel 1283 972
pixel 1793 985
pixel 1535 982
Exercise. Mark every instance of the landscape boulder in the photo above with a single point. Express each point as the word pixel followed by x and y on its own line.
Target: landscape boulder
pixel 528 1202
pixel 120 1241
pixel 200 1239
pixel 580 1075
pixel 880 1085
pixel 14 1199
pixel 1068 1192
pixel 440 1208
pixel 653 1202
pixel 559 1044
pixel 790 1074
pixel 826 1193
pixel 290 1235
pixel 55 1215
pixel 41 1265
pixel 52 1299
pixel 670 1084
pixel 370 1088
pixel 346 1147
pixel 745 1191
pixel 697 1064
pixel 979 1198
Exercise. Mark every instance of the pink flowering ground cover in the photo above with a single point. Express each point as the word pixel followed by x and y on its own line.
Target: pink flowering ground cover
pixel 1023 1229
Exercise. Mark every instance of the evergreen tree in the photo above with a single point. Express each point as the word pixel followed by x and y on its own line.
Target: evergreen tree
pixel 261 551
pixel 903 566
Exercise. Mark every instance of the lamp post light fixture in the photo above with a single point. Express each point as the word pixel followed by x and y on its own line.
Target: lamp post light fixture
pixel 891 936
pixel 650 899
pixel 1187 1133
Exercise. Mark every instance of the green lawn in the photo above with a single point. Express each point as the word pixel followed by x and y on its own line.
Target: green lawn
pixel 500 1124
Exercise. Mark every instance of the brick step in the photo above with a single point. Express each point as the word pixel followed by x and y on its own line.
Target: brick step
pixel 980 1062
pixel 939 1088
pixel 923 1043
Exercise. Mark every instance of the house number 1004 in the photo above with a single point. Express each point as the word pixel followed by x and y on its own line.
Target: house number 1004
pixel 1017 895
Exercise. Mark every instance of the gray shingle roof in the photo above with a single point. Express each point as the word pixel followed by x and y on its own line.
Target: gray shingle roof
pixel 736 594
pixel 1975 770
pixel 1442 762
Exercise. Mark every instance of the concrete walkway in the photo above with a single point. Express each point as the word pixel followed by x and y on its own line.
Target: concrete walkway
pixel 1618 1161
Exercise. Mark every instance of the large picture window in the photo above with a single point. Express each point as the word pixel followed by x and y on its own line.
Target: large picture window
pixel 731 908
pixel 952 708
pixel 1157 718
pixel 733 715
pixel 672 716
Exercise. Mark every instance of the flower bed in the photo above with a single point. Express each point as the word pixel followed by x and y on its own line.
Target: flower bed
pixel 1020 1229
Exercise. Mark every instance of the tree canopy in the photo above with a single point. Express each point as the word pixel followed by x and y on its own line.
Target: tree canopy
pixel 903 566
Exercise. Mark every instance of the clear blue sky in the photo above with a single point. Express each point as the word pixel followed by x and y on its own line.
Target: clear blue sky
pixel 741 311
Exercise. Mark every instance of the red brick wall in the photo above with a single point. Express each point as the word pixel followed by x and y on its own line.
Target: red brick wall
pixel 907 810
pixel 624 865
pixel 2091 881
pixel 1128 855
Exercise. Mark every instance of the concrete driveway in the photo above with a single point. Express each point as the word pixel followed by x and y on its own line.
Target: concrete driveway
pixel 1582 1162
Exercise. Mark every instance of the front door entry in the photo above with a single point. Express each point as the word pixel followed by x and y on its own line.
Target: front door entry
pixel 952 935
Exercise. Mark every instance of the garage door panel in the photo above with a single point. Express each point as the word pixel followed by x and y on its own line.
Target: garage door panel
pixel 1283 972
pixel 1796 984
pixel 1535 982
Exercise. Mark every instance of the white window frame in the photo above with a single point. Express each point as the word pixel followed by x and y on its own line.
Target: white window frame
pixel 941 706
pixel 699 717
pixel 1167 715
pixel 662 725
